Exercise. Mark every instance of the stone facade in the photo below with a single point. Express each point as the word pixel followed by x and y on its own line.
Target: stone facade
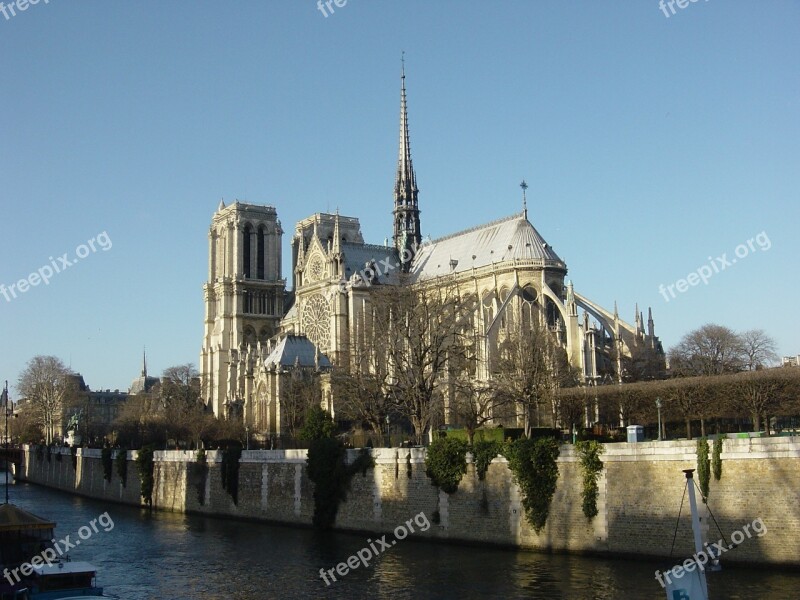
pixel 244 299
pixel 640 494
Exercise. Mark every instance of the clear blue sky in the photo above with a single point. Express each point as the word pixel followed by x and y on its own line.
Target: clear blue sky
pixel 649 144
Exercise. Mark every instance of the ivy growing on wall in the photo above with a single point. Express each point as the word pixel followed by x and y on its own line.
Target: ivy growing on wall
pixel 121 461
pixel 589 455
pixel 331 475
pixel 703 467
pixel 716 458
pixel 198 472
pixel 533 463
pixel 108 463
pixel 144 464
pixel 483 453
pixel 74 453
pixel 230 471
pixel 446 463
pixel 39 453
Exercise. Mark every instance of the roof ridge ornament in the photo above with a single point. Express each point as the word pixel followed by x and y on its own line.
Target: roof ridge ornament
pixel 524 187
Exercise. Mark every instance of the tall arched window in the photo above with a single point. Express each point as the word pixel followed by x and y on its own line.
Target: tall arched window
pixel 248 232
pixel 260 253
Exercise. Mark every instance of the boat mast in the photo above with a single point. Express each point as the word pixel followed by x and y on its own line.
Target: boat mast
pixel 698 537
pixel 4 402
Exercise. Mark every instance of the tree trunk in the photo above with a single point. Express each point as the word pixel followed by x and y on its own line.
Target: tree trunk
pixel 702 428
pixel 756 421
pixel 688 429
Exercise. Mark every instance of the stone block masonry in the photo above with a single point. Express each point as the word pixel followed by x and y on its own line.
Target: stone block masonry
pixel 641 487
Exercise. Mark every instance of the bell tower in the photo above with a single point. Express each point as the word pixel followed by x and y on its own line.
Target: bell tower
pixel 243 296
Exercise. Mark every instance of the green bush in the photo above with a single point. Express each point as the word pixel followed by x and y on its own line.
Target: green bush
pixel 144 464
pixel 121 460
pixel 589 454
pixel 199 475
pixel 533 463
pixel 108 463
pixel 703 467
pixel 716 458
pixel 446 463
pixel 483 453
pixel 318 424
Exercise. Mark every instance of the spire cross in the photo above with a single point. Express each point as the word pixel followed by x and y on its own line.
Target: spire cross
pixel 524 187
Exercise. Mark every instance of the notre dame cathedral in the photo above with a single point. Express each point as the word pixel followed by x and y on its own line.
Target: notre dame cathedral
pixel 258 335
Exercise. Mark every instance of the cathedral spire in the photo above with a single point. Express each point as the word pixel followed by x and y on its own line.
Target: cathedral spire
pixel 336 235
pixel 144 362
pixel 407 233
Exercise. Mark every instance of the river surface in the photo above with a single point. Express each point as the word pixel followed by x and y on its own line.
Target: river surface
pixel 172 556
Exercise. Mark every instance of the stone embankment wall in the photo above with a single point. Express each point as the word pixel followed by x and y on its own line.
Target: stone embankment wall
pixel 641 489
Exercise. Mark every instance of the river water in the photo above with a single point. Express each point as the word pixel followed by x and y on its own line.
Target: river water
pixel 164 555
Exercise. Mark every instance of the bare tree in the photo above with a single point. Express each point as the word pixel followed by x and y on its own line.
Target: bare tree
pixel 709 350
pixel 425 329
pixel 757 393
pixel 530 369
pixel 180 386
pixel 476 403
pixel 362 389
pixel 142 420
pixel 303 392
pixel 45 384
pixel 759 349
pixel 691 399
pixel 186 416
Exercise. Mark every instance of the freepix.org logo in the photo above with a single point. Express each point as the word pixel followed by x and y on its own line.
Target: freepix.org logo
pixel 57 265
pixel 12 8
pixel 48 556
pixel 715 266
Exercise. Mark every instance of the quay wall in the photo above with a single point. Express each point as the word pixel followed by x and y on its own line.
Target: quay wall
pixel 640 492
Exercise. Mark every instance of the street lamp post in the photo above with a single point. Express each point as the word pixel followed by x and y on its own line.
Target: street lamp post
pixel 4 398
pixel 388 433
pixel 247 436
pixel 658 406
